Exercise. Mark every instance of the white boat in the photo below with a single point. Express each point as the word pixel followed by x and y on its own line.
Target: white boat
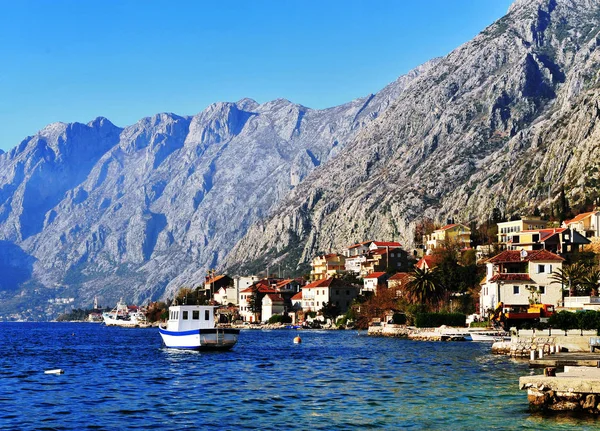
pixel 490 336
pixel 120 316
pixel 192 327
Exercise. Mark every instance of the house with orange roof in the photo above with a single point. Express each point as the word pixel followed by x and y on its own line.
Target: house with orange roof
pixel 254 294
pixel 282 288
pixel 429 261
pixel 509 229
pixel 457 232
pixel 358 254
pixel 519 278
pixel 327 265
pixel 373 282
pixel 213 283
pixel 587 224
pixel 557 240
pixel 331 290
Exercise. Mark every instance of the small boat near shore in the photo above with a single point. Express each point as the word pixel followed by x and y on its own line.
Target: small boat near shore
pixel 192 327
pixel 490 336
pixel 121 316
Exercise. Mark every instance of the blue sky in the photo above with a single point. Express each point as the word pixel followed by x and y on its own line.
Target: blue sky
pixel 74 60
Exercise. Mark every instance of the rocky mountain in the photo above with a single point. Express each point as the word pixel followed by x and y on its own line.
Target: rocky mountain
pixel 96 210
pixel 506 120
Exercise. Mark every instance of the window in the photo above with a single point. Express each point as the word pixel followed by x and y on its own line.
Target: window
pixel 540 269
pixel 206 314
pixel 317 303
pixel 337 291
pixel 347 292
pixel 542 290
pixel 516 290
pixel 185 315
pixel 195 315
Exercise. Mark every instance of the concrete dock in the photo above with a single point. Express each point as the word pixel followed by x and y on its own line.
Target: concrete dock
pixel 559 360
pixel 577 389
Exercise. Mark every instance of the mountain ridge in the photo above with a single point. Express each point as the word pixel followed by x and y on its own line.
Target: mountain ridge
pixel 437 154
pixel 141 210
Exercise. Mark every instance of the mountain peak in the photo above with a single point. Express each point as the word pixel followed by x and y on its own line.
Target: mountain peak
pixel 247 104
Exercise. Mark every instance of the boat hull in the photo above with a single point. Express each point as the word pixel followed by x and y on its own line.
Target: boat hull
pixel 200 339
pixel 490 336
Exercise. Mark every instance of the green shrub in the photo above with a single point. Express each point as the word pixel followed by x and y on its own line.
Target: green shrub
pixel 433 320
pixel 563 320
pixel 399 319
pixel 278 318
pixel 483 324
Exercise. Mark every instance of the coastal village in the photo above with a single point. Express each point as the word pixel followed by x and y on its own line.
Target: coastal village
pixel 533 261
pixel 533 292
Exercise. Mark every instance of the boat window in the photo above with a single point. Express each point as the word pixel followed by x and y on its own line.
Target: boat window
pixel 185 315
pixel 206 314
pixel 195 315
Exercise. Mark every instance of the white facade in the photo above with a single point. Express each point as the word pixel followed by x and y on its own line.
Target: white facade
pixel 226 296
pixel 531 285
pixel 271 307
pixel 241 283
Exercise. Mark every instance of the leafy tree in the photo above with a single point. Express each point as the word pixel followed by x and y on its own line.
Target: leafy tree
pixel 330 310
pixel 254 305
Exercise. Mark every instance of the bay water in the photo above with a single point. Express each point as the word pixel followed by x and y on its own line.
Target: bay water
pixel 121 378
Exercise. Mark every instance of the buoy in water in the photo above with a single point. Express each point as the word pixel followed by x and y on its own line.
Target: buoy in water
pixel 57 371
pixel 297 339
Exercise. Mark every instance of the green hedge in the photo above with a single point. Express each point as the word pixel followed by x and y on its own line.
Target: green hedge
pixel 433 320
pixel 565 320
pixel 278 318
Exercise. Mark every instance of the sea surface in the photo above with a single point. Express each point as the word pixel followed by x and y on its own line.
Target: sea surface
pixel 119 378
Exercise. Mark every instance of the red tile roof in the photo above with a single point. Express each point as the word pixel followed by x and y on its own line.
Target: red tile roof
pixel 532 256
pixel 283 283
pixel 387 244
pixel 510 277
pixel 297 296
pixel 430 261
pixel 274 297
pixel 212 280
pixel 319 283
pixel 376 275
pixel 379 251
pixel 579 217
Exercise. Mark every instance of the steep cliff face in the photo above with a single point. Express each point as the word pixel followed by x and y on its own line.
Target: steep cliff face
pixel 503 121
pixel 95 210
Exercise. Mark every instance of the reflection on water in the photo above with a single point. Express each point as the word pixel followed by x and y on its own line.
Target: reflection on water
pixel 118 378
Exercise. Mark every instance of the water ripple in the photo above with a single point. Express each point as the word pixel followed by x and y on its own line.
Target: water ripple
pixel 116 378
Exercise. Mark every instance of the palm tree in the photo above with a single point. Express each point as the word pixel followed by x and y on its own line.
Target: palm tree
pixel 424 287
pixel 589 282
pixel 569 277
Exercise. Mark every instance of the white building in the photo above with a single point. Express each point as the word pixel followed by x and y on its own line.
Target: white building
pixel 520 278
pixel 272 304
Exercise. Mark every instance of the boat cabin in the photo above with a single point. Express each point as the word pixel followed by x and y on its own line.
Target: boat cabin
pixel 189 317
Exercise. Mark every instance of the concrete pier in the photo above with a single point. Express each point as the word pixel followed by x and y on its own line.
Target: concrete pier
pixel 577 389
pixel 560 360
